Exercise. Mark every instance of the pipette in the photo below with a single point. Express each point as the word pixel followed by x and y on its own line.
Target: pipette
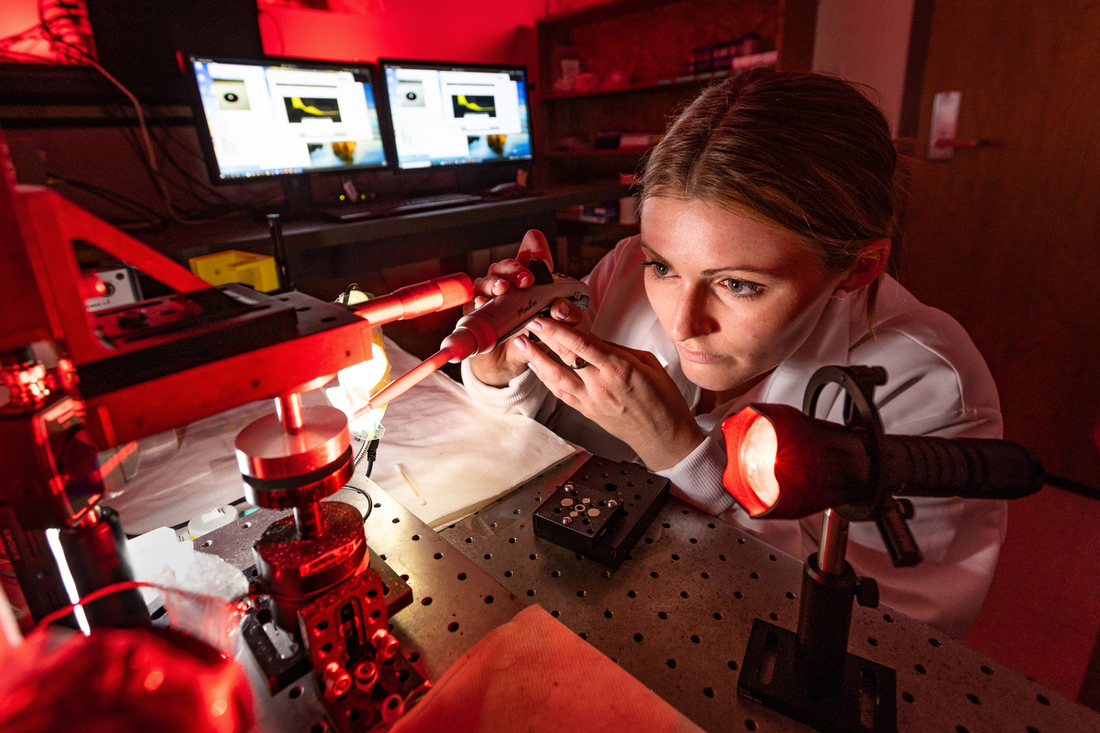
pixel 480 330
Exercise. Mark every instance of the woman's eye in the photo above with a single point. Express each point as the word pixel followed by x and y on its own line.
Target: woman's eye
pixel 659 268
pixel 740 287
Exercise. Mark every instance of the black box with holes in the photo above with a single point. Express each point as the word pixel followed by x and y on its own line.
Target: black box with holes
pixel 602 510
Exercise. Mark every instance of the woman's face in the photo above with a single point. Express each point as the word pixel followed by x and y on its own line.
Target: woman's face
pixel 736 296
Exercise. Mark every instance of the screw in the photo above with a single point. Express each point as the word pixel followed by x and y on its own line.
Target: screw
pixel 611 504
pixel 337 681
pixel 566 520
pixel 385 643
pixel 366 674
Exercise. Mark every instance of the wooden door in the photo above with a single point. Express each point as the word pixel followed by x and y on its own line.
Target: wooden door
pixel 1006 238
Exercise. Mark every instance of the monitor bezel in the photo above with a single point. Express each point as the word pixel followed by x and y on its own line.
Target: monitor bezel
pixel 206 141
pixel 458 66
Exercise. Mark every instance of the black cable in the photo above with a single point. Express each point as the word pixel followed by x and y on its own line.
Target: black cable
pixel 252 192
pixel 43 31
pixel 113 196
pixel 345 297
pixel 372 454
pixel 187 175
pixel 61 21
pixel 66 49
pixel 149 217
pixel 370 450
pixel 370 502
pixel 211 213
pixel 1072 486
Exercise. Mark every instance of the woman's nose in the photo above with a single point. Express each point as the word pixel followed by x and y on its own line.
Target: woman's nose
pixel 691 317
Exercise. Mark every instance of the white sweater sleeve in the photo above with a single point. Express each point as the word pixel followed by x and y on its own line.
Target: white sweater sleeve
pixel 697 479
pixel 524 395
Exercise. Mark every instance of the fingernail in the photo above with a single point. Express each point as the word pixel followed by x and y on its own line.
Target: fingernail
pixel 519 343
pixel 532 367
pixel 524 279
pixel 561 311
pixel 535 325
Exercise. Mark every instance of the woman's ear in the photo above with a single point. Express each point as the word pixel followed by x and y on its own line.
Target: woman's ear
pixel 869 266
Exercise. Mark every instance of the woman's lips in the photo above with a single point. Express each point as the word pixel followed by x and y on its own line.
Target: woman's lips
pixel 698 357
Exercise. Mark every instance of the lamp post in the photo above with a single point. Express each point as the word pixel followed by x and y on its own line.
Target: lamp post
pixel 786 464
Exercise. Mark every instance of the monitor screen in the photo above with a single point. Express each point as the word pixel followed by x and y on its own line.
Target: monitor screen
pixel 457 114
pixel 259 119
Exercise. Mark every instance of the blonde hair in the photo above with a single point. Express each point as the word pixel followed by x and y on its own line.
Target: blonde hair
pixel 802 151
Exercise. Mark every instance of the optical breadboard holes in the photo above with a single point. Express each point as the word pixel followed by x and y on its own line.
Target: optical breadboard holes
pixel 548 585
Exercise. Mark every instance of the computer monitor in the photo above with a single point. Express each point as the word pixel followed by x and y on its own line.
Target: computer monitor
pixel 457 114
pixel 285 117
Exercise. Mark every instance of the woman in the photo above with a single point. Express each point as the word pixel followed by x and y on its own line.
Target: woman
pixel 766 213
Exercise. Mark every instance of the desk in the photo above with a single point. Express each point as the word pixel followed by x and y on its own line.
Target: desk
pixel 323 250
pixel 677 616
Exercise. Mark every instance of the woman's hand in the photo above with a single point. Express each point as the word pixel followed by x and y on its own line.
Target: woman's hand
pixel 625 391
pixel 506 362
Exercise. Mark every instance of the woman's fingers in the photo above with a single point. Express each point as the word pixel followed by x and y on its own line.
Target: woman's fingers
pixel 535 246
pixel 569 343
pixel 506 274
pixel 563 382
pixel 624 391
pixel 502 277
pixel 566 311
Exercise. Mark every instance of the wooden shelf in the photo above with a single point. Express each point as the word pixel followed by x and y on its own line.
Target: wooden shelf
pixel 596 12
pixel 646 40
pixel 596 153
pixel 570 217
pixel 680 82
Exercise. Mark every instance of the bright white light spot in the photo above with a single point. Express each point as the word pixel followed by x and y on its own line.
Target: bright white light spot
pixel 53 539
pixel 757 457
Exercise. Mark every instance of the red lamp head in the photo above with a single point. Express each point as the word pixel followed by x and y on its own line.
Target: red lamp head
pixel 784 465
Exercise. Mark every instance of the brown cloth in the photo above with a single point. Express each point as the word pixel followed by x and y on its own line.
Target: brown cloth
pixel 534 674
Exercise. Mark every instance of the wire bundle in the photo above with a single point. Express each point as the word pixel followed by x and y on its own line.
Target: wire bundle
pixel 64 26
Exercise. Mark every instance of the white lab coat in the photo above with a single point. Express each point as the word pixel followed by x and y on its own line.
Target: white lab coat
pixel 938 385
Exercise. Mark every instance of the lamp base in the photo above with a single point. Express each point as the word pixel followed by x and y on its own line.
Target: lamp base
pixel 867 700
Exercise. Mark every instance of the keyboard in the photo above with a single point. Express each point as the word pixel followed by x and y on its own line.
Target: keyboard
pixel 377 209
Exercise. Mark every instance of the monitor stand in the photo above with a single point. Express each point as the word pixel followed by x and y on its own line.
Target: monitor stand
pixel 480 178
pixel 298 195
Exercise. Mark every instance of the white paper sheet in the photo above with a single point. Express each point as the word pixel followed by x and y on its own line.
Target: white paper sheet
pixel 458 457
